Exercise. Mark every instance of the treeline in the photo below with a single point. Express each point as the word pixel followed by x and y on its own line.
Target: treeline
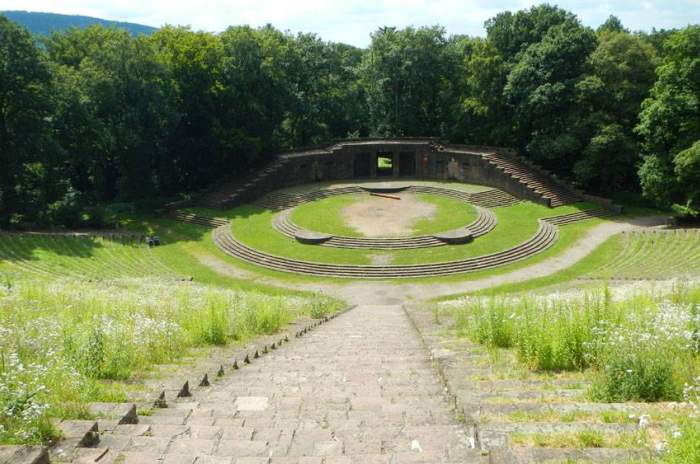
pixel 97 117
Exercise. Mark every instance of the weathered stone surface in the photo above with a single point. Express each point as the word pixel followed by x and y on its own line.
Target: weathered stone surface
pixel 23 454
pixel 311 237
pixel 455 237
pixel 357 389
pixel 123 413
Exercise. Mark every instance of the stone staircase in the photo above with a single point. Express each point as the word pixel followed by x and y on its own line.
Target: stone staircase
pixel 198 219
pixel 533 178
pixel 492 198
pixel 579 216
pixel 240 191
pixel 277 201
pixel 359 390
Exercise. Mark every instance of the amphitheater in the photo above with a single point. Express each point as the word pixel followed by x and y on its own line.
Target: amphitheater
pixel 385 226
pixel 497 179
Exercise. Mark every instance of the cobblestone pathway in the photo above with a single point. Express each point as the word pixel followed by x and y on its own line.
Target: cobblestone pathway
pixel 360 389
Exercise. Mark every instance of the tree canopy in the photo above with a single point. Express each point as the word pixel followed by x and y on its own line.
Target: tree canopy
pixel 96 116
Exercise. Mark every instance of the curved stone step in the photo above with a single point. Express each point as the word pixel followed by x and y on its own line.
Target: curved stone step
pixel 484 223
pixel 546 235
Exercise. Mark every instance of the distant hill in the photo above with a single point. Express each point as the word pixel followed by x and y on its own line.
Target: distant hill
pixel 46 23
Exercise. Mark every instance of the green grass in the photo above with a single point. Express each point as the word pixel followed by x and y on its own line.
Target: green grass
pixel 633 255
pixel 83 256
pixel 652 255
pixel 187 244
pixel 326 215
pixel 450 214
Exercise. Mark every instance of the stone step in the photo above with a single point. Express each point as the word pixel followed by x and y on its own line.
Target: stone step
pixel 75 434
pixel 23 454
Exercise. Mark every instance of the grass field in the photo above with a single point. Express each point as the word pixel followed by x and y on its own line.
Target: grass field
pixel 326 215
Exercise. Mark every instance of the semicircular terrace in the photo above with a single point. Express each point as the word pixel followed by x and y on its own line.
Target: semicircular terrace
pixel 483 224
pixel 545 236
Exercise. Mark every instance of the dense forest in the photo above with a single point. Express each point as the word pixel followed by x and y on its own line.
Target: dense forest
pixel 94 118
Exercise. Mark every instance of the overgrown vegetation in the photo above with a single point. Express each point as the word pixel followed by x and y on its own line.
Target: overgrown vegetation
pixel 64 343
pixel 96 117
pixel 641 345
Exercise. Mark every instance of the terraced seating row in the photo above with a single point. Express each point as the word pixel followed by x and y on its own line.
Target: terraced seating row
pixel 578 216
pixel 654 255
pixel 509 413
pixel 484 223
pixel 487 199
pixel 539 182
pixel 277 201
pixel 198 219
pixel 106 256
pixel 545 236
pixel 236 191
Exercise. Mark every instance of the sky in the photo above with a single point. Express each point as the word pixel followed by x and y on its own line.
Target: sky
pixel 351 21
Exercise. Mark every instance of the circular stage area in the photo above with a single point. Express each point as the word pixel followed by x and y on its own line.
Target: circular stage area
pixel 517 239
pixel 381 211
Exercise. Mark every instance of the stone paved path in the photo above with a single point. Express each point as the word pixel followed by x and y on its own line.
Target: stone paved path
pixel 359 389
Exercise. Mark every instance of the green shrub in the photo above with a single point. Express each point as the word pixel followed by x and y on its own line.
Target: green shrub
pixel 635 378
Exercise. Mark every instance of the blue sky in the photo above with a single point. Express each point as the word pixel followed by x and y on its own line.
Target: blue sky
pixel 351 21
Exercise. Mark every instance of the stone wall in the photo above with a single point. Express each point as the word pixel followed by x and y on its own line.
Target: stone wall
pixel 358 160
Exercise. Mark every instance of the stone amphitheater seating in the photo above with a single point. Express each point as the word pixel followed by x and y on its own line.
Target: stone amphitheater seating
pixel 199 220
pixel 241 191
pixel 484 223
pixel 579 216
pixel 488 199
pixel 545 236
pixel 533 178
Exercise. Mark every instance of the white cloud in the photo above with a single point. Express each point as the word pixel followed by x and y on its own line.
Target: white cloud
pixel 352 21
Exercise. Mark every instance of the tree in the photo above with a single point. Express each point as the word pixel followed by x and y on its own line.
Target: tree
pixel 541 89
pixel 254 95
pixel 406 75
pixel 194 62
pixel 512 33
pixel 483 114
pixel 123 94
pixel 621 75
pixel 612 24
pixel 25 137
pixel 326 100
pixel 670 123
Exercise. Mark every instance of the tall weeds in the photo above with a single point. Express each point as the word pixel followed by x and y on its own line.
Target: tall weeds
pixel 641 344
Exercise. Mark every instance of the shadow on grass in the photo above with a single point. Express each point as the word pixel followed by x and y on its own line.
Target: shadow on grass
pixel 16 247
